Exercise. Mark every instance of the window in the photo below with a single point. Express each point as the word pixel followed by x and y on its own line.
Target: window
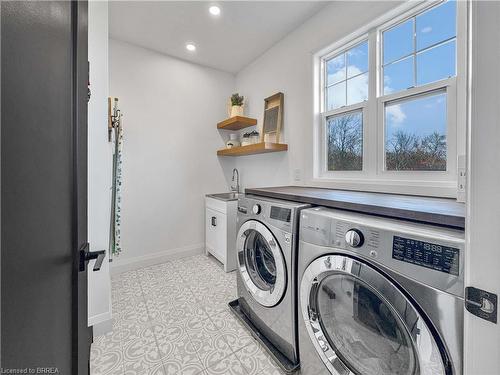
pixel 421 49
pixel 345 141
pixel 415 133
pixel 389 104
pixel 347 77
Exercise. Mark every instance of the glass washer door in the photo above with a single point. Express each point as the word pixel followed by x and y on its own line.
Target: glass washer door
pixel 361 323
pixel 261 263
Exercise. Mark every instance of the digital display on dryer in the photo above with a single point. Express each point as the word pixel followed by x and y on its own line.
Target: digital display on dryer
pixel 282 214
pixel 426 254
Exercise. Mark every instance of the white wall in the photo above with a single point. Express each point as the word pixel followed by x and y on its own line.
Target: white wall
pixel 99 162
pixel 482 338
pixel 287 67
pixel 170 111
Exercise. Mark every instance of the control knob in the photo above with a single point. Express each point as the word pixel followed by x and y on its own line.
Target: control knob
pixel 256 209
pixel 354 238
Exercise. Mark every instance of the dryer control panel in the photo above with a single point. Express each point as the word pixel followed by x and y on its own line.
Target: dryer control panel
pixel 426 254
pixel 281 213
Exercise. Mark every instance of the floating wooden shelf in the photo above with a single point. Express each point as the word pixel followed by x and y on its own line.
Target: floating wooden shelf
pixel 256 148
pixel 237 123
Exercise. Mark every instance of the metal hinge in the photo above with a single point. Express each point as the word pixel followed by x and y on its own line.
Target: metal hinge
pixel 461 178
pixel 89 93
pixel 481 303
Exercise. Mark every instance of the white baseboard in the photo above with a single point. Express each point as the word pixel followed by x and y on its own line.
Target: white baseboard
pixel 102 328
pixel 100 318
pixel 118 265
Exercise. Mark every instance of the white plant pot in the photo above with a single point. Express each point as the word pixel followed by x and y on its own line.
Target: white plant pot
pixel 236 110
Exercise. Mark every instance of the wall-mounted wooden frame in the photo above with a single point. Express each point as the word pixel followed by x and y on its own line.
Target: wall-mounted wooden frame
pixel 273 118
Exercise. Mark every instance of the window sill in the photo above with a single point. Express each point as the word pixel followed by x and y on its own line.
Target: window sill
pixel 443 189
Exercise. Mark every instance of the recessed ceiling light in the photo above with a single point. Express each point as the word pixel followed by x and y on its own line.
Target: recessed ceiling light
pixel 214 10
pixel 190 47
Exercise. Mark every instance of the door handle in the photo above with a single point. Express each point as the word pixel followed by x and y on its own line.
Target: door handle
pixel 214 221
pixel 98 256
pixel 311 306
pixel 86 256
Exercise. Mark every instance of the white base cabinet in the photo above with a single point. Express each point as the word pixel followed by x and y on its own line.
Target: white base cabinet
pixel 220 231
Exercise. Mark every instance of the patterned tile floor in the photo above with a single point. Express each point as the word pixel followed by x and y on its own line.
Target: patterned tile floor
pixel 172 318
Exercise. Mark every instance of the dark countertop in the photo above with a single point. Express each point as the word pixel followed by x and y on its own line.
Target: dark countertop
pixel 440 211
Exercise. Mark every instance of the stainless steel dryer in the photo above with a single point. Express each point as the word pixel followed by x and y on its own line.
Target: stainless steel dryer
pixel 266 245
pixel 379 296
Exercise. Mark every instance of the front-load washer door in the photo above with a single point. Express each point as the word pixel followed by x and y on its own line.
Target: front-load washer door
pixel 361 323
pixel 261 263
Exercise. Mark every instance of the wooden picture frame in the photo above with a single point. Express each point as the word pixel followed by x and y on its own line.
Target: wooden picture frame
pixel 273 118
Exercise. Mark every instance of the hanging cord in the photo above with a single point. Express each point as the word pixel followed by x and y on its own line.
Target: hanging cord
pixel 115 119
pixel 116 128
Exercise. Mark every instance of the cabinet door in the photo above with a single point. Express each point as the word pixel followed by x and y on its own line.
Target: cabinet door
pixel 216 234
pixel 209 230
pixel 220 237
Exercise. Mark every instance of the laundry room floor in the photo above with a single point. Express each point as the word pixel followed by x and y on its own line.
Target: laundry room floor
pixel 173 318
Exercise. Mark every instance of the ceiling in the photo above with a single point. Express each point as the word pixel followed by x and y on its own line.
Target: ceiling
pixel 242 32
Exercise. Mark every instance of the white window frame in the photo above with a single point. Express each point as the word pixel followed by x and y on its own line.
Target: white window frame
pixel 373 176
pixel 336 53
pixel 363 106
pixel 448 86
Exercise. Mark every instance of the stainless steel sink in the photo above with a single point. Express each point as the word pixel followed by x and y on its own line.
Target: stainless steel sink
pixel 226 196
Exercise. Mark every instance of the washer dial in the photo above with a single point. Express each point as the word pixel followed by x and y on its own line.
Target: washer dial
pixel 256 209
pixel 354 238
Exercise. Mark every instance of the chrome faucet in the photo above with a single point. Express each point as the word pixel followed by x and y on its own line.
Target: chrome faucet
pixel 235 188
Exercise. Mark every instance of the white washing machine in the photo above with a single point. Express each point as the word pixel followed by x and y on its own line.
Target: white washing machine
pixel 379 296
pixel 266 245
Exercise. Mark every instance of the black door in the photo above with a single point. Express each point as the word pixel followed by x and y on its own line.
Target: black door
pixel 44 186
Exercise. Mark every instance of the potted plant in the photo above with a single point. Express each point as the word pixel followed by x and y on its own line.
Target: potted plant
pixel 237 105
